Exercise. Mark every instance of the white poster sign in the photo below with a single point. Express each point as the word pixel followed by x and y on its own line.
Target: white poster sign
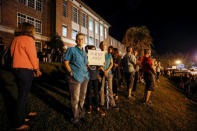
pixel 173 67
pixel 96 57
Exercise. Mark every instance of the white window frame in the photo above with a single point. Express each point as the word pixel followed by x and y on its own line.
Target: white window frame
pixel 86 39
pixel 31 3
pixel 65 8
pixel 64 27
pixel 97 43
pixel 30 20
pixel 105 33
pixel 91 40
pixel 37 4
pixel 74 37
pixel 75 12
pixel 96 27
pixel 24 18
pixel 91 25
pixel 84 19
pixel 34 23
pixel 101 31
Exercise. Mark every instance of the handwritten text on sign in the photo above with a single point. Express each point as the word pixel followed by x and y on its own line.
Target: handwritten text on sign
pixel 96 57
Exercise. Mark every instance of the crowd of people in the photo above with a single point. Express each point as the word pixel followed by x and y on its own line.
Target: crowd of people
pixel 184 80
pixel 94 82
pixel 48 55
pixel 103 82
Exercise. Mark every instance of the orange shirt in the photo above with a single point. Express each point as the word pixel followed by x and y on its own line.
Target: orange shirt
pixel 23 51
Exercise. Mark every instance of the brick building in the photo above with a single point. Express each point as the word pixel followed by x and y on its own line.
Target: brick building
pixel 53 17
pixel 117 44
pixel 36 12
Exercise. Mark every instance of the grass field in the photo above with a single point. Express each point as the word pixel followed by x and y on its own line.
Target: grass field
pixel 170 109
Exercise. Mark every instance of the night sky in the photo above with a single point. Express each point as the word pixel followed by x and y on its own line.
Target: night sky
pixel 172 23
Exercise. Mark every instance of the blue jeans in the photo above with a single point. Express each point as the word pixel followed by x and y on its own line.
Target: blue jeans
pixel 24 78
pixel 78 95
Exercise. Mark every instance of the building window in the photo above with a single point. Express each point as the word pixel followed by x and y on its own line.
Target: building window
pixel 38 5
pixel 30 20
pixel 38 26
pixel 90 24
pixel 97 43
pixel 64 30
pixel 65 8
pixel 86 39
pixel 24 18
pixel 74 14
pixel 84 20
pixel 21 18
pixel 91 41
pixel 101 30
pixel 22 1
pixel 38 46
pixel 31 3
pixel 105 33
pixel 96 28
pixel 74 34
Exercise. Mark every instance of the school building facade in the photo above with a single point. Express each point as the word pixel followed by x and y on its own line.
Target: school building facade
pixel 54 17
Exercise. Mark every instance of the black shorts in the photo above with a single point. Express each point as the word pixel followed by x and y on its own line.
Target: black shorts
pixel 149 80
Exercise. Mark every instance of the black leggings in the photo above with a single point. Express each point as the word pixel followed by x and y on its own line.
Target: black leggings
pixel 93 85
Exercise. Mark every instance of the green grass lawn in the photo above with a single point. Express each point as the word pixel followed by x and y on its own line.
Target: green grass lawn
pixel 170 109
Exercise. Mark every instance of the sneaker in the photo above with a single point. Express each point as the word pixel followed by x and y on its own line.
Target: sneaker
pixel 89 111
pixel 101 111
pixel 33 114
pixel 75 122
pixel 149 103
pixel 133 94
pixel 23 127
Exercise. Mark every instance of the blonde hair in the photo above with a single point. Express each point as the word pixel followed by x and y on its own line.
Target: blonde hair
pixel 25 29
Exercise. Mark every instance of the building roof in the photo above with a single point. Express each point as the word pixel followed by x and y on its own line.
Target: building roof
pixel 97 15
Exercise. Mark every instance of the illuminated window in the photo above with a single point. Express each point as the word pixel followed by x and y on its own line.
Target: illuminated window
pixel 64 30
pixel 74 34
pixel 96 28
pixel 105 33
pixel 90 24
pixel 91 41
pixel 101 30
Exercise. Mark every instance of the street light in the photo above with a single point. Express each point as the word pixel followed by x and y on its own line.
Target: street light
pixel 178 62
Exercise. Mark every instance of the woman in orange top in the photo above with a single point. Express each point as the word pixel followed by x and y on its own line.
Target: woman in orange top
pixel 25 64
